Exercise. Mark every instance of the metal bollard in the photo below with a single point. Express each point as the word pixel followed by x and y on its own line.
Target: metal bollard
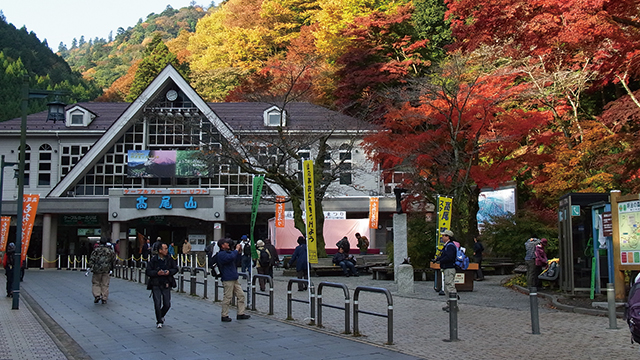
pixel 453 316
pixel 533 300
pixel 611 302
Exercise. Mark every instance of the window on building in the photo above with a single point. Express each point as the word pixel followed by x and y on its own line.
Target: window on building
pixel 274 116
pixel 44 165
pixel 77 119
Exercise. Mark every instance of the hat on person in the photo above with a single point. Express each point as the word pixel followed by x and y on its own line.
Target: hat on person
pixel 448 233
pixel 301 240
pixel 244 237
pixel 260 243
pixel 544 241
pixel 11 247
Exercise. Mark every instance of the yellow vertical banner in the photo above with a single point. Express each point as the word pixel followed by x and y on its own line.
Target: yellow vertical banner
pixel 444 216
pixel 310 208
pixel 5 222
pixel 29 209
pixel 373 212
pixel 280 211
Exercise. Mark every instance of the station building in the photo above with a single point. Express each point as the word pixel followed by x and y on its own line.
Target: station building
pixel 90 185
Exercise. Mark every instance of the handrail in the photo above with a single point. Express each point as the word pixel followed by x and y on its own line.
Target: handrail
pixel 254 292
pixel 389 315
pixel 311 301
pixel 347 300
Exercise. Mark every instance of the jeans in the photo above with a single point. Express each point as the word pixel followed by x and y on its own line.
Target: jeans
pixel 346 264
pixel 246 264
pixel 161 301
pixel 9 272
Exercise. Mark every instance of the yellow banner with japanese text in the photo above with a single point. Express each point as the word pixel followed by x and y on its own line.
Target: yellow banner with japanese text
pixel 310 207
pixel 444 216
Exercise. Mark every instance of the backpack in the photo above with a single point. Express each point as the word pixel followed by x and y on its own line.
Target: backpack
pixel 264 258
pixel 462 261
pixel 632 312
pixel 213 265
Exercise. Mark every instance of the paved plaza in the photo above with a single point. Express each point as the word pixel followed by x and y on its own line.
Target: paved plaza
pixel 57 319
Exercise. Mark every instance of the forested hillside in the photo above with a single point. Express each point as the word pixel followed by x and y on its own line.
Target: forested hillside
pixel 106 60
pixel 22 53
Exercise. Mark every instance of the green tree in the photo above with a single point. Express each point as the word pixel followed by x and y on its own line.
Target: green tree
pixel 157 57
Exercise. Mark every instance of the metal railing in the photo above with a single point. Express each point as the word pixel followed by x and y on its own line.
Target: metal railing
pixel 254 292
pixel 311 301
pixel 389 315
pixel 347 301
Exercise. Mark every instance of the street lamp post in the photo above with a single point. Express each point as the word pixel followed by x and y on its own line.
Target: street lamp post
pixel 17 259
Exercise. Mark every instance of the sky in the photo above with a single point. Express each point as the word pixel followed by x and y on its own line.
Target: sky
pixel 63 20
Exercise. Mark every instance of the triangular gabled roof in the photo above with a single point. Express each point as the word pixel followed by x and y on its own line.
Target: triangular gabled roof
pixel 125 121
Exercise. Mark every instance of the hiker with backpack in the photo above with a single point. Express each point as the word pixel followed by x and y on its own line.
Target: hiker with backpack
pixel 530 260
pixel 264 263
pixel 447 261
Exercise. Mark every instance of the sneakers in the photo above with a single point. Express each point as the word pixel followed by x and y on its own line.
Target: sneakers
pixel 226 319
pixel 159 325
pixel 104 301
pixel 243 317
pixel 96 300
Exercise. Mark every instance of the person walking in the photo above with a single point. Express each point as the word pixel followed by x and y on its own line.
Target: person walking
pixel 263 265
pixel 146 250
pixel 540 260
pixel 227 259
pixel 363 244
pixel 161 270
pixel 343 260
pixel 246 255
pixel 299 257
pixel 7 264
pixel 101 263
pixel 477 253
pixel 172 250
pixel 447 261
pixel 530 260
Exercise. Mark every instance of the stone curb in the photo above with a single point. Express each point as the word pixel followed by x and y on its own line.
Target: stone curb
pixel 569 308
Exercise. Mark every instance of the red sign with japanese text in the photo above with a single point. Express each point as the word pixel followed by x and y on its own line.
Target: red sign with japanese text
pixel 280 211
pixel 29 208
pixel 5 222
pixel 374 203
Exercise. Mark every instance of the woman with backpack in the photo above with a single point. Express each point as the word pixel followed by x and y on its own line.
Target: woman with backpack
pixel 263 264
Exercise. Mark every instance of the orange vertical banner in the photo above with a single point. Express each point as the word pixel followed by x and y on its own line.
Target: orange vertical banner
pixel 280 211
pixel 29 209
pixel 5 222
pixel 373 212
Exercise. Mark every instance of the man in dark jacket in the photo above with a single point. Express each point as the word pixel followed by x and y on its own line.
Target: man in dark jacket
pixel 447 261
pixel 299 257
pixel 229 275
pixel 161 270
pixel 7 263
pixel 344 261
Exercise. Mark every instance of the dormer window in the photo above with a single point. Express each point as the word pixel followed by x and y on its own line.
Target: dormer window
pixel 274 116
pixel 79 116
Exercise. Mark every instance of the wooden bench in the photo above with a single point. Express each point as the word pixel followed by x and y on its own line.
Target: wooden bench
pixel 366 262
pixel 382 272
pixel 497 266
